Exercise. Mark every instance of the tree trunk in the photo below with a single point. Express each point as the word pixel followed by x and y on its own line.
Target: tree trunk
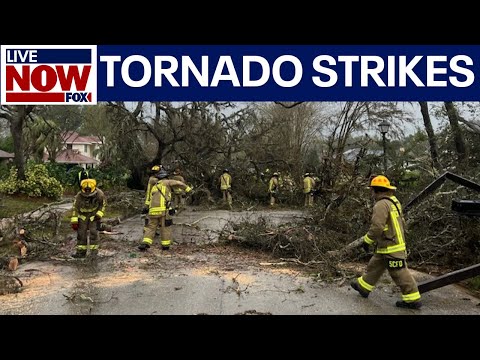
pixel 431 134
pixel 456 130
pixel 16 129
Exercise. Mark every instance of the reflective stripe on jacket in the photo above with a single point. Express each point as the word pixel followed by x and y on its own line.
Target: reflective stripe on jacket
pixel 148 195
pixel 308 184
pixel 161 195
pixel 88 205
pixel 387 228
pixel 273 184
pixel 225 182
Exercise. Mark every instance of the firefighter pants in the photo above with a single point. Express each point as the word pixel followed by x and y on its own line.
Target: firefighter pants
pixel 165 230
pixel 227 197
pixel 398 270
pixel 309 199
pixel 84 226
pixel 179 201
pixel 272 198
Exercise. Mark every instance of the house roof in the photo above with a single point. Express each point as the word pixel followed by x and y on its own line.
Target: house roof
pixel 72 137
pixel 6 155
pixel 71 156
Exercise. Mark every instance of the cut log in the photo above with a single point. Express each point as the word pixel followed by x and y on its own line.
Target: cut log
pixel 13 264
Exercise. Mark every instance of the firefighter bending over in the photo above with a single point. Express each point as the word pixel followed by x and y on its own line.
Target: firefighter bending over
pixel 160 211
pixel 178 192
pixel 88 210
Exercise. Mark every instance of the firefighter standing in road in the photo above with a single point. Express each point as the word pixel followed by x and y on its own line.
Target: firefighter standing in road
pixel 308 187
pixel 160 211
pixel 152 180
pixel 178 192
pixel 273 188
pixel 226 187
pixel 386 232
pixel 88 210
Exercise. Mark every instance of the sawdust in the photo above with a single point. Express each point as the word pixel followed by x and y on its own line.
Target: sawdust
pixel 242 279
pixel 285 271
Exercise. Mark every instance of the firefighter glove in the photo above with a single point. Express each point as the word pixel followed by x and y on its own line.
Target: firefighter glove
pixel 172 212
pixel 145 210
pixel 75 226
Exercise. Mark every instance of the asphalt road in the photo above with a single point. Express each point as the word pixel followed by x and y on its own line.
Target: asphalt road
pixel 193 279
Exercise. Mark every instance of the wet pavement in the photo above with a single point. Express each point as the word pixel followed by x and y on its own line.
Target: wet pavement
pixel 194 278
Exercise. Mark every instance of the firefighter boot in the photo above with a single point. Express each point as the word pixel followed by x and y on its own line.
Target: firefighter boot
pixel 354 284
pixel 409 305
pixel 143 247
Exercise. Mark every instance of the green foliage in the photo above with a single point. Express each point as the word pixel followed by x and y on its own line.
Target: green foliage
pixel 107 177
pixel 38 183
pixel 4 170
pixel 111 176
pixel 474 283
pixel 6 144
pixel 409 178
pixel 65 175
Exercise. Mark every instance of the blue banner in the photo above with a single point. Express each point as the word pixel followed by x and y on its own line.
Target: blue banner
pixel 289 73
pixel 85 74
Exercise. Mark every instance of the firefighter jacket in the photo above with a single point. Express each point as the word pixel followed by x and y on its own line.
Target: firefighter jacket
pixel 176 189
pixel 161 196
pixel 273 185
pixel 308 184
pixel 387 226
pixel 151 182
pixel 225 182
pixel 88 205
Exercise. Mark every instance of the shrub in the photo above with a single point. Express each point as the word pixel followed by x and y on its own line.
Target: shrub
pixel 38 183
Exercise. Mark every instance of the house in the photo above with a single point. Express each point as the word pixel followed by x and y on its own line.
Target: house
pixel 5 157
pixel 78 150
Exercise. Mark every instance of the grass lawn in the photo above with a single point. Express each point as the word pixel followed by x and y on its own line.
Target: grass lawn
pixel 19 204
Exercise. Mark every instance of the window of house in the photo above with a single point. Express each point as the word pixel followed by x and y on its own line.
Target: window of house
pixel 85 149
pixel 69 146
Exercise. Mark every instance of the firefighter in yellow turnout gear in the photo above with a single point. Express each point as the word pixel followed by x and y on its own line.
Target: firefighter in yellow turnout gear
pixel 273 188
pixel 88 209
pixel 386 232
pixel 160 212
pixel 308 187
pixel 152 180
pixel 226 187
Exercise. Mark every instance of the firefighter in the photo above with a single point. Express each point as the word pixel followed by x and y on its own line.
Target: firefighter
pixel 178 192
pixel 387 234
pixel 82 175
pixel 152 180
pixel 308 188
pixel 273 188
pixel 160 211
pixel 226 187
pixel 88 210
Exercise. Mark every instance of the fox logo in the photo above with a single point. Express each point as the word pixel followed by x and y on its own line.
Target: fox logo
pixel 49 74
